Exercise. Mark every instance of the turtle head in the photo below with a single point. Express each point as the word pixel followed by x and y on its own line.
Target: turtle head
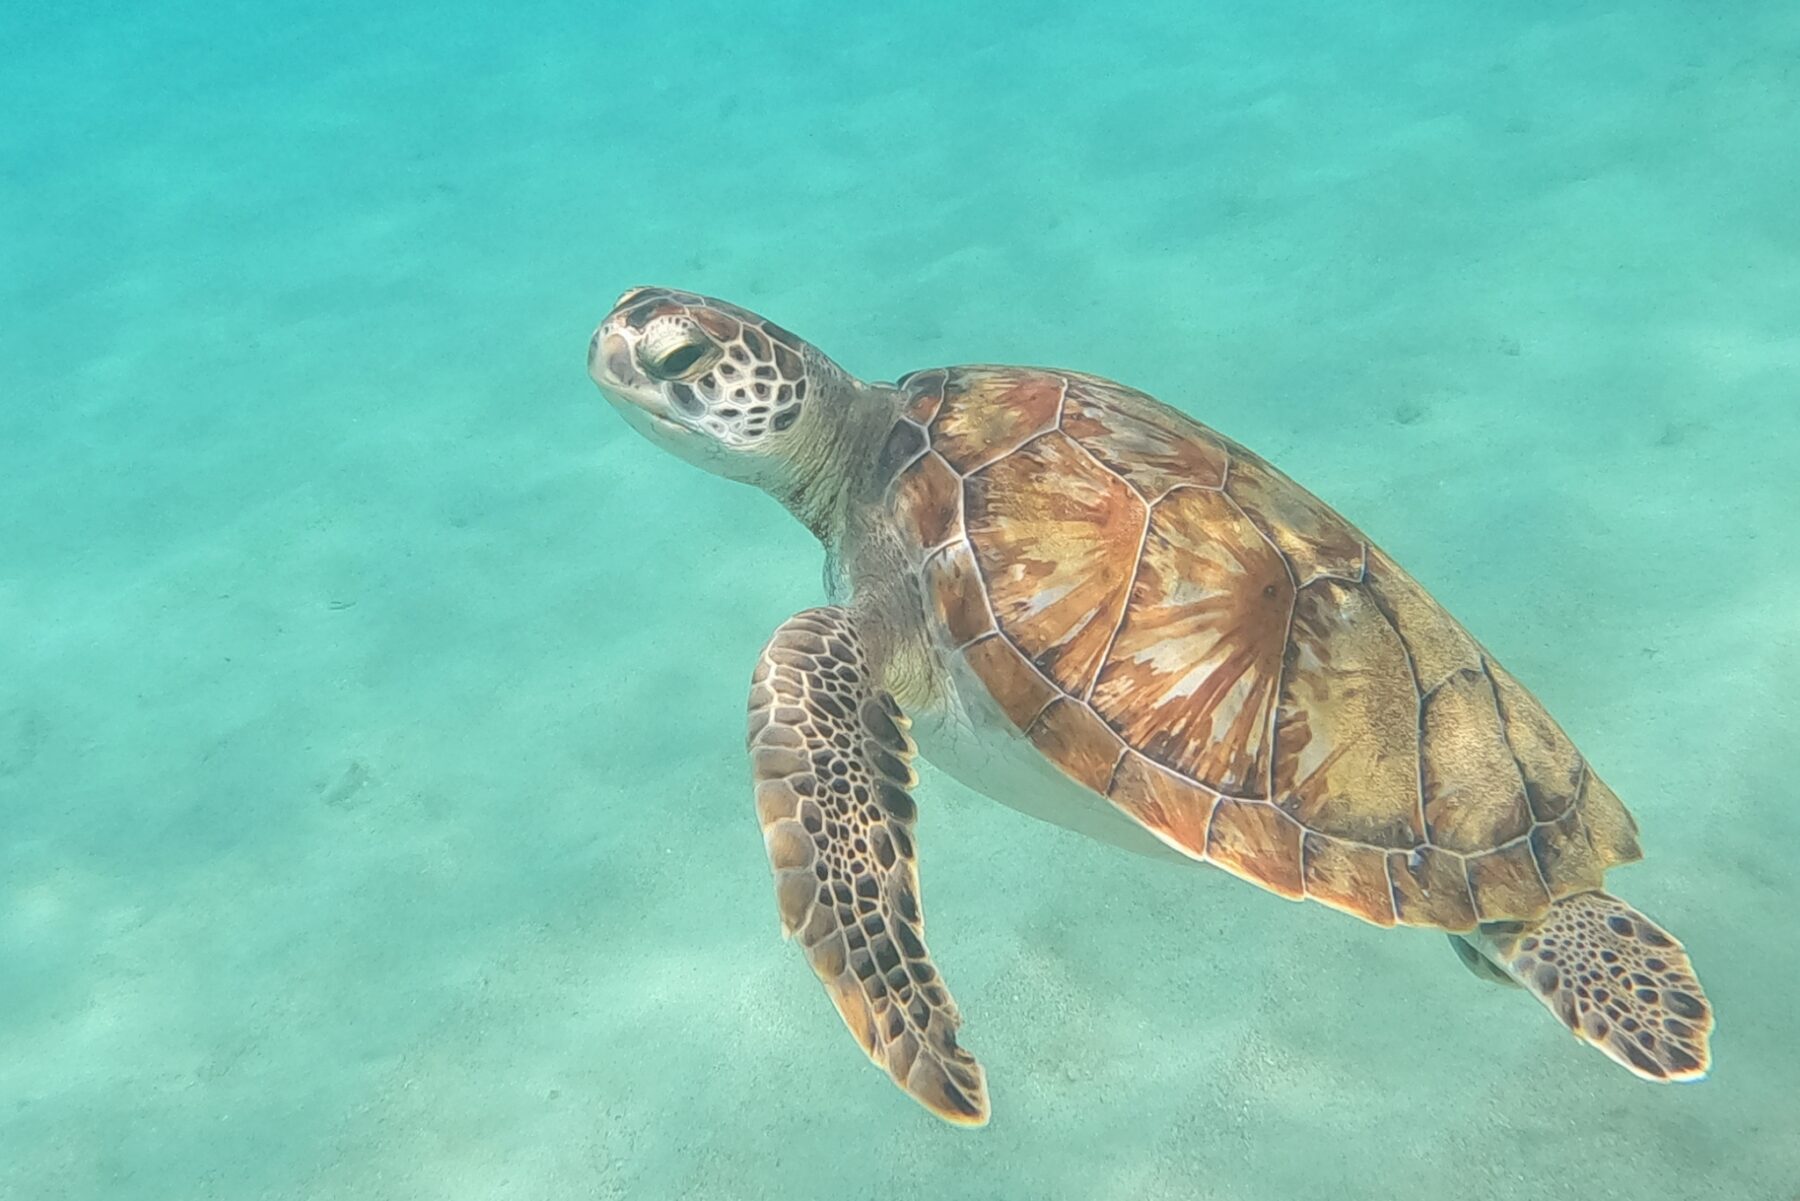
pixel 726 390
pixel 717 385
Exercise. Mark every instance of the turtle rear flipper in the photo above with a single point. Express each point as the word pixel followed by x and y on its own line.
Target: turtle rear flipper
pixel 1615 978
pixel 833 768
pixel 1480 965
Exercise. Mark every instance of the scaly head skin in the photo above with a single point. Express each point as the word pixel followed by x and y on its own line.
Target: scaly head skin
pixel 739 396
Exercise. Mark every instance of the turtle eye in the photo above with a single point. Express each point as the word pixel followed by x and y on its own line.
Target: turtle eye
pixel 673 362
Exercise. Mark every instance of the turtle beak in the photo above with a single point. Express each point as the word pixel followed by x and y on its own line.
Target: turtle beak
pixel 611 364
pixel 612 367
pixel 609 360
pixel 641 401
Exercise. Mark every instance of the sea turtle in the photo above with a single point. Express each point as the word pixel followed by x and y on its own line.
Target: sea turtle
pixel 1084 604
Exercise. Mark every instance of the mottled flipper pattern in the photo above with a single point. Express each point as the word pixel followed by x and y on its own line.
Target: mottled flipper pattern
pixel 833 768
pixel 1615 978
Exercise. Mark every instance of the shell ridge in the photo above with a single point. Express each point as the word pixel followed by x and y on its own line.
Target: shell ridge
pixel 1097 461
pixel 1137 566
pixel 1519 770
pixel 1273 716
pixel 1506 732
pixel 1412 668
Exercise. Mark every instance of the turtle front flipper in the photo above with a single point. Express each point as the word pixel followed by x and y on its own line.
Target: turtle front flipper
pixel 833 765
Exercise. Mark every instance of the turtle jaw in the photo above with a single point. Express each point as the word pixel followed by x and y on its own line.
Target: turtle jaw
pixel 639 399
pixel 611 369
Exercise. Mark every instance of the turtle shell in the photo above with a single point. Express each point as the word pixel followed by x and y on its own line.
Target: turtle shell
pixel 1183 629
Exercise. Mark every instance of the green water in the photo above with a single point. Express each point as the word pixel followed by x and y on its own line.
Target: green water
pixel 373 813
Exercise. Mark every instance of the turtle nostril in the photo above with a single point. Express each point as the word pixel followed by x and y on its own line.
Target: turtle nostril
pixel 609 358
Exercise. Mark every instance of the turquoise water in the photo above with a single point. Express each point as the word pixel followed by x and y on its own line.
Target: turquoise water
pixel 373 815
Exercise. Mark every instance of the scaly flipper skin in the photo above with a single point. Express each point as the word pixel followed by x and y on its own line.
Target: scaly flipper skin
pixel 1615 978
pixel 833 765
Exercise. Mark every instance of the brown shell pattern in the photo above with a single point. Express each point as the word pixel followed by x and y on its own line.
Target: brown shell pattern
pixel 1180 627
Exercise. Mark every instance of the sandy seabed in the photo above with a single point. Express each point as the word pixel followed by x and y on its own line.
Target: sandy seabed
pixel 375 817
